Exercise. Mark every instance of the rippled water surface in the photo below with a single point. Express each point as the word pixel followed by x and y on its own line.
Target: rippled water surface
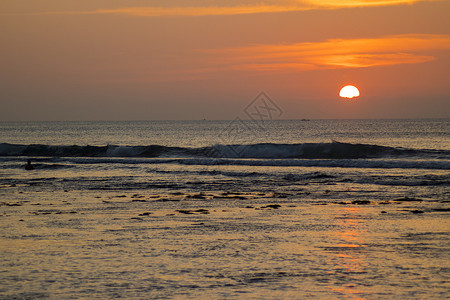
pixel 208 226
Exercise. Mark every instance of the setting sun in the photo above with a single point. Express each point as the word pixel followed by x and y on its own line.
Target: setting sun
pixel 349 92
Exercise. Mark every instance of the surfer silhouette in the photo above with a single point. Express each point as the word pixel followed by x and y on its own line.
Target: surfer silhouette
pixel 29 166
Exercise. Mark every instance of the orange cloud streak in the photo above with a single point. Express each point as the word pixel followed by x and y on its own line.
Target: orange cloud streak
pixel 186 11
pixel 333 54
pixel 276 7
pixel 198 11
pixel 334 4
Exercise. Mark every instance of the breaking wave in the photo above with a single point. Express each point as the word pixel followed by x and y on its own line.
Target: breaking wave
pixel 334 150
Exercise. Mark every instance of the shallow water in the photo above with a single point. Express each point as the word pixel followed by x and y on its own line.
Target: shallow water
pixel 157 245
pixel 207 227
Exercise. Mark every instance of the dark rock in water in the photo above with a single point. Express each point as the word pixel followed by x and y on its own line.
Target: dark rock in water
pixel 145 214
pixel 417 211
pixel 138 200
pixel 11 204
pixel 177 193
pixel 407 199
pixel 138 219
pixel 185 211
pixel 383 212
pixel 249 206
pixel 441 209
pixel 191 212
pixel 361 202
pixel 167 200
pixel 274 206
pixel 229 196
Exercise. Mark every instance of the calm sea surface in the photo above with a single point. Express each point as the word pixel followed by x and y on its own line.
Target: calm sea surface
pixel 331 209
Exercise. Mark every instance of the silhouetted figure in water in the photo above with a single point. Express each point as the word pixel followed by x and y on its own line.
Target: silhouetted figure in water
pixel 29 166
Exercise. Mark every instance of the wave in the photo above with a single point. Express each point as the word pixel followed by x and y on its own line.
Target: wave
pixel 327 163
pixel 334 150
pixel 378 163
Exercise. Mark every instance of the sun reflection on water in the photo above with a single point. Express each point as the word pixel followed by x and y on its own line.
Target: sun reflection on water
pixel 349 251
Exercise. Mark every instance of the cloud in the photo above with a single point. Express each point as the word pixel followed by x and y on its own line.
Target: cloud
pixel 333 54
pixel 334 4
pixel 196 11
pixel 250 8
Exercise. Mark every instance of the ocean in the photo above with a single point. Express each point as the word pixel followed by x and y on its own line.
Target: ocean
pixel 241 209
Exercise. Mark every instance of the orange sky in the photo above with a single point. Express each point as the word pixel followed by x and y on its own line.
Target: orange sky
pixel 144 59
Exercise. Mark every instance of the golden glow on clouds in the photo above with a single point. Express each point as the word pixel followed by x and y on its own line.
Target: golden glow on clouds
pixel 334 54
pixel 357 3
pixel 251 8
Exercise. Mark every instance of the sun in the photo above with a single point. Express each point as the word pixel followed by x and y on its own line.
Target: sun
pixel 349 92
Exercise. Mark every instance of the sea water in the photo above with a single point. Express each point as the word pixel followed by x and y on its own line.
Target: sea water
pixel 351 209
